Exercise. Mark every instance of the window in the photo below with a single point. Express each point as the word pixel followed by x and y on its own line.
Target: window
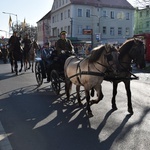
pixel 147 13
pixel 104 30
pixel 88 13
pixel 65 14
pixel 119 30
pixel 104 13
pixel 80 29
pixel 69 30
pixel 59 3
pixel 112 31
pixel 112 15
pixel 140 14
pixel 79 12
pixel 68 13
pixel 53 19
pixel 61 16
pixel 127 16
pixel 147 24
pixel 127 31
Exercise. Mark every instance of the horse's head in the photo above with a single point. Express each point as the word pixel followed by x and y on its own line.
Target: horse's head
pixel 111 57
pixel 137 53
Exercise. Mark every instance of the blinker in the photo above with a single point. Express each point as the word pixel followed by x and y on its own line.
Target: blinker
pixel 109 57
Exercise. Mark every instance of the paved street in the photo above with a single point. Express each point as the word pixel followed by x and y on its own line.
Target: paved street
pixel 34 118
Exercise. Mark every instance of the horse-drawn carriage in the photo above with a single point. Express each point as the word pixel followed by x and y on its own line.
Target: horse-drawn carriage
pixel 54 71
pixel 91 71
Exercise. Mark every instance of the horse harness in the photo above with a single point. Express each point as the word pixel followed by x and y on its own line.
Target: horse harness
pixel 99 73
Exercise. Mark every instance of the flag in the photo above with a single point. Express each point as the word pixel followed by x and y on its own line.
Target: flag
pixel 10 21
pixel 24 23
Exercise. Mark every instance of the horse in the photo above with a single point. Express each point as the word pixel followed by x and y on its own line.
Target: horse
pixel 32 54
pixel 89 72
pixel 15 55
pixel 132 50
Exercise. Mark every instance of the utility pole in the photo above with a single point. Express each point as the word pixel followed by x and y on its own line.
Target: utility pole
pixel 71 25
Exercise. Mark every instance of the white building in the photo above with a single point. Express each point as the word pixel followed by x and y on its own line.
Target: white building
pixel 96 21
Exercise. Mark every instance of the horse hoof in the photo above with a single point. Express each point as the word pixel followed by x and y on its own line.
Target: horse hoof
pixel 90 114
pixel 114 107
pixel 12 71
pixel 130 111
pixel 20 70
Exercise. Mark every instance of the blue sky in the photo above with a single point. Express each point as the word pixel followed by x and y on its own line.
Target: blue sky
pixel 31 10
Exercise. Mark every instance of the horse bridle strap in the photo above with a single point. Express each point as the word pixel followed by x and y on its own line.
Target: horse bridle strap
pixel 88 73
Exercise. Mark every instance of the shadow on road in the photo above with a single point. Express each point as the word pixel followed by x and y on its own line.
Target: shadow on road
pixel 41 120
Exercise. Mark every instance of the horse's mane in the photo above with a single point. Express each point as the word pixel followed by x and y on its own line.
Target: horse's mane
pixel 126 46
pixel 96 53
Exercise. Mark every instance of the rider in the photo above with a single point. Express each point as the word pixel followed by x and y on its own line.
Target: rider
pixel 27 45
pixel 14 46
pixel 46 55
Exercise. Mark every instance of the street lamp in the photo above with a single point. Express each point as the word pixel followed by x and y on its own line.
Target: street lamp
pixel 14 15
pixel 99 18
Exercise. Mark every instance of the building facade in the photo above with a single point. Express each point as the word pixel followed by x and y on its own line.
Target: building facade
pixel 44 29
pixel 95 22
pixel 142 20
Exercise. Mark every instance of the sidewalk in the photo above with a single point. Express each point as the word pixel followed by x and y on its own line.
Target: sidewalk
pixel 143 74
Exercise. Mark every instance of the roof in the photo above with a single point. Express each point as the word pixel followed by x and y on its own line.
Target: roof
pixel 105 3
pixel 47 16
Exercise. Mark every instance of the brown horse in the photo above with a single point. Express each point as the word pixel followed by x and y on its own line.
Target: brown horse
pixel 89 72
pixel 131 50
pixel 32 54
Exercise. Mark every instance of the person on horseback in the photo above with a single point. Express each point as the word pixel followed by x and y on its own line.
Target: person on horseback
pixel 46 55
pixel 15 48
pixel 27 44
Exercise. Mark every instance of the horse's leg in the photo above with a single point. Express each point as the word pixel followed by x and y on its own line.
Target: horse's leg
pixel 113 100
pixel 12 64
pixel 87 95
pixel 16 67
pixel 32 66
pixel 99 94
pixel 78 94
pixel 68 87
pixel 127 86
pixel 21 61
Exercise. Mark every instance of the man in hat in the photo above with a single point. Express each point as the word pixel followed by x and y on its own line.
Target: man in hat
pixel 64 44
pixel 27 45
pixel 15 50
pixel 46 54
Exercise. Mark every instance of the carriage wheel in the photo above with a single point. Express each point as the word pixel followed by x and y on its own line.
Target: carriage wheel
pixel 55 82
pixel 38 73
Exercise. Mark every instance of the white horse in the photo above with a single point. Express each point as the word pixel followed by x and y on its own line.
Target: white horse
pixel 89 72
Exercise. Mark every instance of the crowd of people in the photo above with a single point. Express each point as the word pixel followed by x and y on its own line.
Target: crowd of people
pixel 18 49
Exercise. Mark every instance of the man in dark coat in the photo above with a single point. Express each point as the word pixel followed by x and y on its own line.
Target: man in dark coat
pixel 64 49
pixel 27 45
pixel 64 44
pixel 15 48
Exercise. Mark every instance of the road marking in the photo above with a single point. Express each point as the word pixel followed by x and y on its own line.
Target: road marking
pixel 4 142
